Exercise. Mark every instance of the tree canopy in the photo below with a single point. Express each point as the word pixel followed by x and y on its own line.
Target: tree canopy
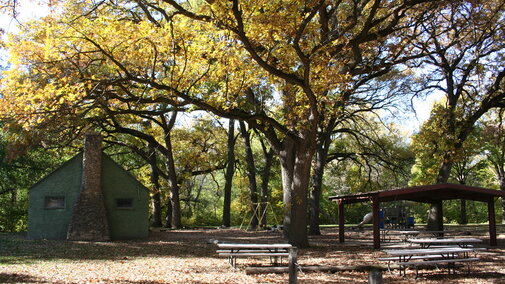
pixel 299 72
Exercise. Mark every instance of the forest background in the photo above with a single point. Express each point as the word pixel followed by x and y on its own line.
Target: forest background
pixel 215 106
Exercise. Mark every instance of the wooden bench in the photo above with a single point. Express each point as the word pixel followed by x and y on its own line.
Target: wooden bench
pixel 439 261
pixel 387 234
pixel 432 256
pixel 274 251
pixel 415 257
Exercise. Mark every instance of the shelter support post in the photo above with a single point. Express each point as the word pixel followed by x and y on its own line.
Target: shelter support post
pixel 492 222
pixel 341 229
pixel 376 230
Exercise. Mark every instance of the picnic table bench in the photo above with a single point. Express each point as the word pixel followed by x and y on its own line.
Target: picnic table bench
pixel 429 256
pixel 461 242
pixel 386 234
pixel 274 251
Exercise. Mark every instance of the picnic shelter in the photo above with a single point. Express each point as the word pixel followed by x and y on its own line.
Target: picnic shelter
pixel 433 194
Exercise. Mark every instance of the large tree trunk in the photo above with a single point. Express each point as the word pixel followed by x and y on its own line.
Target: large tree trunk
pixel 156 197
pixel 315 196
pixel 172 183
pixel 463 219
pixel 230 170
pixel 287 161
pixel 251 175
pixel 156 203
pixel 265 179
pixel 435 216
pixel 168 216
pixel 502 188
pixel 445 169
pixel 174 189
pixel 295 165
pixel 172 174
pixel 317 185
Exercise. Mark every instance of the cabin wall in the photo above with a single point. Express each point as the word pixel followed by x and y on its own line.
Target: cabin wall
pixel 52 223
pixel 126 220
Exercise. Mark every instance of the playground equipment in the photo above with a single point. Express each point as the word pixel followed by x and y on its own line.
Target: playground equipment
pixel 259 214
pixel 366 219
pixel 397 216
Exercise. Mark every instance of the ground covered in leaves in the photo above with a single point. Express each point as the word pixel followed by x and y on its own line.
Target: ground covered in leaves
pixel 189 256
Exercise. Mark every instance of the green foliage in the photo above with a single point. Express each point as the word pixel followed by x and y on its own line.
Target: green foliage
pixel 377 158
pixel 13 217
pixel 17 175
pixel 430 145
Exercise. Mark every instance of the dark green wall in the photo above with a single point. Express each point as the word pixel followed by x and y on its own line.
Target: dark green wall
pixel 53 223
pixel 118 183
pixel 66 181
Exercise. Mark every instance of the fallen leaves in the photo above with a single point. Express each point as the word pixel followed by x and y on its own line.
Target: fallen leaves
pixel 185 256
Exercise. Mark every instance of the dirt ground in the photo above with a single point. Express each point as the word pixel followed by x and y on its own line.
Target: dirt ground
pixel 189 256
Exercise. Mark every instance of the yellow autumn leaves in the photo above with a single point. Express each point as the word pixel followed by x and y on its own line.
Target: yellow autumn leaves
pixel 61 59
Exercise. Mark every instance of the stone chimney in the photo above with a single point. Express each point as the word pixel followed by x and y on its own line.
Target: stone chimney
pixel 89 217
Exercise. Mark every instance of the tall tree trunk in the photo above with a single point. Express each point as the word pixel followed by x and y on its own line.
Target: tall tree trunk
pixel 317 184
pixel 295 165
pixel 230 171
pixel 435 216
pixel 156 197
pixel 168 216
pixel 174 187
pixel 287 161
pixel 463 219
pixel 172 174
pixel 251 175
pixel 445 169
pixel 265 179
pixel 315 196
pixel 156 203
pixel 502 188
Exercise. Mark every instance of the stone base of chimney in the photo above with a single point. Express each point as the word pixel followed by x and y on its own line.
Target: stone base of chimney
pixel 89 217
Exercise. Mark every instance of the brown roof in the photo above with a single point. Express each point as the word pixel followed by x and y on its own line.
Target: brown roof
pixel 425 193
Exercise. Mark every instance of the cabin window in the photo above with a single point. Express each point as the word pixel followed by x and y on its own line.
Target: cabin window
pixel 54 202
pixel 124 203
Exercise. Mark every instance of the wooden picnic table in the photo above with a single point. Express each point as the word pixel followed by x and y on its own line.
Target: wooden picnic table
pixel 461 242
pixel 404 233
pixel 274 251
pixel 253 246
pixel 425 256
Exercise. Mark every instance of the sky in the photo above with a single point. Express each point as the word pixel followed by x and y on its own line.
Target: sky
pixel 29 9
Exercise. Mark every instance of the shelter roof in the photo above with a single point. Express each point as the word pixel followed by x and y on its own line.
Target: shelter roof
pixel 426 193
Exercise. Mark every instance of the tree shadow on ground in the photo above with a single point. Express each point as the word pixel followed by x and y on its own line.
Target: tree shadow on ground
pixel 16 249
pixel 18 278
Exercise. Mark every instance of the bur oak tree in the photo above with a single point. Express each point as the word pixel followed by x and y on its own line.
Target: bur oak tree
pixel 465 47
pixel 209 54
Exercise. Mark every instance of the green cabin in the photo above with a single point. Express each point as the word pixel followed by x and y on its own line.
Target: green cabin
pixel 53 202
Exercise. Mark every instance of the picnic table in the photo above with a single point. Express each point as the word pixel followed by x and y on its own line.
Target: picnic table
pixel 461 242
pixel 429 256
pixel 406 234
pixel 274 251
